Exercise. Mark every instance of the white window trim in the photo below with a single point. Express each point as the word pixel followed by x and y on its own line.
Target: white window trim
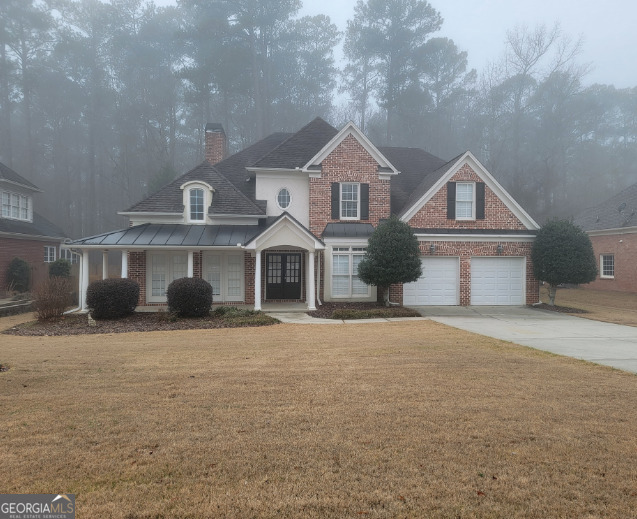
pixel 29 200
pixel 601 266
pixel 277 198
pixel 208 191
pixel 473 201
pixel 223 278
pixel 150 298
pixel 358 201
pixel 351 252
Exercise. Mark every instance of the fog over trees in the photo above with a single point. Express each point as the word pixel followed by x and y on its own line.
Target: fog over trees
pixel 102 103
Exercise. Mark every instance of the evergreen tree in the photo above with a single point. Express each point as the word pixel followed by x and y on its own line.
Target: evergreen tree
pixel 392 257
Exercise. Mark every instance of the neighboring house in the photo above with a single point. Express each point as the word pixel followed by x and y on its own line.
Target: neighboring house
pixel 612 227
pixel 23 232
pixel 288 219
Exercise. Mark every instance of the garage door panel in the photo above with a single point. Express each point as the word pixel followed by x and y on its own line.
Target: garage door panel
pixel 438 284
pixel 497 281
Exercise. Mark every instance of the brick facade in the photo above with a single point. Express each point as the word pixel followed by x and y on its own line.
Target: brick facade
pixel 434 213
pixel 32 251
pixel 624 249
pixel 349 162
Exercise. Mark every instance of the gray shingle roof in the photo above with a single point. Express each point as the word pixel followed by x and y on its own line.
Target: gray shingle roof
pixel 39 227
pixel 607 215
pixel 6 173
pixel 300 147
pixel 415 166
pixel 227 199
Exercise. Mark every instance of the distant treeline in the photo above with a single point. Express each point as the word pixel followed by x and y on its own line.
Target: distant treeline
pixel 102 103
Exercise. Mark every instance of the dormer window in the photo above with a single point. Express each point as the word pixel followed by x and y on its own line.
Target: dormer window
pixel 196 204
pixel 197 198
pixel 16 206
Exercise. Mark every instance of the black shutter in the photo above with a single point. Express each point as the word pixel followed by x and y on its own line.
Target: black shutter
pixel 479 200
pixel 336 199
pixel 364 201
pixel 451 200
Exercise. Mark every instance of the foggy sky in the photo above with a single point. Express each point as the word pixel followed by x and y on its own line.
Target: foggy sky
pixel 479 27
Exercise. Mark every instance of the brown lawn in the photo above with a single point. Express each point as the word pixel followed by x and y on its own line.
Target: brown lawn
pixel 600 305
pixel 372 420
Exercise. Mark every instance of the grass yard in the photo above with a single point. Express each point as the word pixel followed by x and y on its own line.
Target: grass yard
pixel 372 420
pixel 600 305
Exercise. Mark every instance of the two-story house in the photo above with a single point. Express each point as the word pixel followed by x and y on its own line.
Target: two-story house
pixel 288 219
pixel 23 232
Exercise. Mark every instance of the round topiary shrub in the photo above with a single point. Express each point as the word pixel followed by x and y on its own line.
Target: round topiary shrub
pixel 190 297
pixel 60 269
pixel 112 298
pixel 18 275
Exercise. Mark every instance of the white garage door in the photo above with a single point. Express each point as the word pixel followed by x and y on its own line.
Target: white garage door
pixel 497 281
pixel 438 284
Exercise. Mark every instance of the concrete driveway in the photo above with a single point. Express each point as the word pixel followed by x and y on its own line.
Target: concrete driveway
pixel 610 344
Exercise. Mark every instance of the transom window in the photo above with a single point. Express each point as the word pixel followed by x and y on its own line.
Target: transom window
pixel 16 206
pixel 350 201
pixel 607 266
pixel 196 204
pixel 345 280
pixel 465 201
pixel 283 198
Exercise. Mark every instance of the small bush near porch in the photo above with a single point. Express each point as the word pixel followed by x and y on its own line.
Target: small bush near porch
pixel 348 311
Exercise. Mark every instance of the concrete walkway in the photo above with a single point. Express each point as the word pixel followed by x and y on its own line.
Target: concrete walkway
pixel 603 343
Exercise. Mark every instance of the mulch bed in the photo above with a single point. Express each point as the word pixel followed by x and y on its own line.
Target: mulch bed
pixel 560 309
pixel 326 309
pixel 137 322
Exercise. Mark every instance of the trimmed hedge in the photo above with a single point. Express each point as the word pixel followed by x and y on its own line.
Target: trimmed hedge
pixel 18 275
pixel 60 269
pixel 112 298
pixel 190 297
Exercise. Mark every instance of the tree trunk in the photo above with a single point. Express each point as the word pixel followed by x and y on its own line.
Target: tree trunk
pixel 385 295
pixel 552 290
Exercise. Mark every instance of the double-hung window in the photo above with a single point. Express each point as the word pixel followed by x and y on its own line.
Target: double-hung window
pixel 16 206
pixel 345 280
pixel 607 266
pixel 49 254
pixel 350 201
pixel 196 204
pixel 465 201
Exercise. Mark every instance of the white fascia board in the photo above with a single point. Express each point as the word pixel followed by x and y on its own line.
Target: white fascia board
pixel 302 233
pixel 610 232
pixel 489 180
pixel 476 237
pixel 351 129
pixel 28 188
pixel 353 242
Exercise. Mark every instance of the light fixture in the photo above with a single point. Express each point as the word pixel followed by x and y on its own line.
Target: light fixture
pixel 432 248
pixel 499 249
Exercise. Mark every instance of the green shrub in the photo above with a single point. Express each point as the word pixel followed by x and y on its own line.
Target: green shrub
pixel 189 297
pixel 52 298
pixel 112 298
pixel 18 275
pixel 60 268
pixel 373 313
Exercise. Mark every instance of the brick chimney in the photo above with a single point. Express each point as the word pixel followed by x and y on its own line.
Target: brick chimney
pixel 216 143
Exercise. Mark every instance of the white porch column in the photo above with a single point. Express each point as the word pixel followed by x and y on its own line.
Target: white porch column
pixel 191 263
pixel 310 283
pixel 105 264
pixel 124 264
pixel 84 280
pixel 257 280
